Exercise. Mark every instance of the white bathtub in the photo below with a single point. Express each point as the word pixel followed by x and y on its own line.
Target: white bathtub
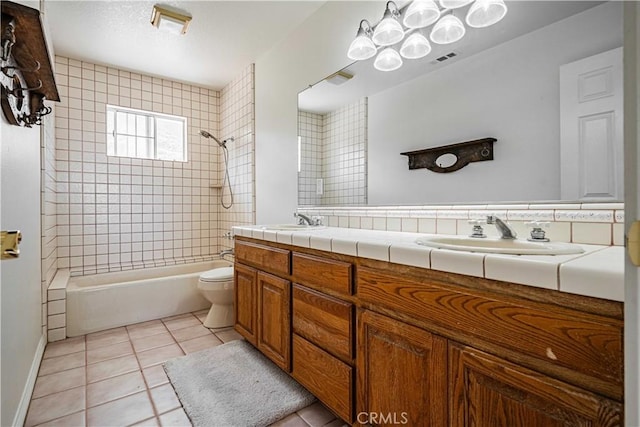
pixel 109 300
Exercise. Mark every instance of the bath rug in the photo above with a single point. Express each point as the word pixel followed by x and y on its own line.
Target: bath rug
pixel 234 385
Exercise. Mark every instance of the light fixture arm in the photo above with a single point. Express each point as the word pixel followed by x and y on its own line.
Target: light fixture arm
pixel 364 29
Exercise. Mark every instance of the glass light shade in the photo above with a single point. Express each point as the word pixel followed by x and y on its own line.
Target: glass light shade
pixel 361 48
pixel 388 31
pixel 420 14
pixel 388 60
pixel 448 29
pixel 486 12
pixel 454 4
pixel 415 46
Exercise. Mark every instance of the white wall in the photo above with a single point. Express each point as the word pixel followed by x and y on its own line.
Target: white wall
pixel 20 278
pixel 510 92
pixel 313 51
pixel 21 334
pixel 632 210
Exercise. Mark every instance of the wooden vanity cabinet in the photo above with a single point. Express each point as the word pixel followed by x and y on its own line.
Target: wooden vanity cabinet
pixel 263 300
pixel 384 344
pixel 402 373
pixel 245 302
pixel 323 330
pixel 489 391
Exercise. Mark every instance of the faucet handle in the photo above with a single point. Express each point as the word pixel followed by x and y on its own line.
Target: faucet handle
pixel 477 230
pixel 317 219
pixel 537 231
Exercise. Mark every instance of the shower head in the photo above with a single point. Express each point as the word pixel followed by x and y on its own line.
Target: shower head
pixel 208 135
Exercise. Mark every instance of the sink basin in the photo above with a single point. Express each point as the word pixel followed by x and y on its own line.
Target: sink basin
pixel 291 227
pixel 499 246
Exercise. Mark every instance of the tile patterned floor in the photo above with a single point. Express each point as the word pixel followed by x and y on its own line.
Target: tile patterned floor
pixel 115 377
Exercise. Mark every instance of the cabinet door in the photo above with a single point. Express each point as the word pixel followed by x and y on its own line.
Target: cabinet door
pixel 402 373
pixel 274 319
pixel 246 299
pixel 488 391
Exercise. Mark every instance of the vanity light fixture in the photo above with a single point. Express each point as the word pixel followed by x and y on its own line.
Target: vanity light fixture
pixel 389 31
pixel 169 20
pixel 417 15
pixel 362 47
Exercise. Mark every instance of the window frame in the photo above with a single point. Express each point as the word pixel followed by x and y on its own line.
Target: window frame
pixel 152 117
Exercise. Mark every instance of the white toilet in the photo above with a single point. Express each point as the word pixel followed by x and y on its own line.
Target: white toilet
pixel 217 287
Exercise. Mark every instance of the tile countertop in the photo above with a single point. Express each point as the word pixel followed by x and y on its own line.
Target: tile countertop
pixel 598 272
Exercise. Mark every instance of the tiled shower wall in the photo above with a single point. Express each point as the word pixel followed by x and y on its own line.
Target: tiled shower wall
pixel 116 213
pixel 48 217
pixel 237 121
pixel 310 133
pixel 340 139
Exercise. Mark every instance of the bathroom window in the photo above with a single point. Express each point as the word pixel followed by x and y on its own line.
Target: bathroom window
pixel 146 135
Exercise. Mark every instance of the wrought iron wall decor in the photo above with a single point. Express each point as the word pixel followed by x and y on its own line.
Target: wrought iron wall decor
pixel 478 150
pixel 26 74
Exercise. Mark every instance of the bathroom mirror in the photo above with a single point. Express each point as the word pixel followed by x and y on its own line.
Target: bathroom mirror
pixel 502 82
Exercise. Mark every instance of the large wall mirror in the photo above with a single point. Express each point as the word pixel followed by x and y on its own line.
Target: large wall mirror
pixel 546 82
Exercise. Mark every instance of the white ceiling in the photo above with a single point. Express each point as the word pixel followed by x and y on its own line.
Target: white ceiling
pixel 222 38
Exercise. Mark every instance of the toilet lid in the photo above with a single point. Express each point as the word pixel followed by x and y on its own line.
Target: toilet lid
pixel 217 275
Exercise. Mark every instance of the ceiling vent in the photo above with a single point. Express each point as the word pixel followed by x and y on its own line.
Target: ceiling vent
pixel 444 57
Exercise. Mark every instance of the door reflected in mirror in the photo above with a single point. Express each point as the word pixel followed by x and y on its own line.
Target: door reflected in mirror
pixel 503 82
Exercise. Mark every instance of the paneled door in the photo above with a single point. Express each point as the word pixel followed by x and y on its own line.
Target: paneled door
pixel 591 128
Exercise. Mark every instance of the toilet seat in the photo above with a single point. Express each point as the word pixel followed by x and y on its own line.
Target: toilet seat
pixel 223 274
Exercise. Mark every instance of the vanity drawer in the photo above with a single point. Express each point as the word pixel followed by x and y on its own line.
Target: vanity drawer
pixel 322 273
pixel 324 320
pixel 575 346
pixel 326 377
pixel 270 259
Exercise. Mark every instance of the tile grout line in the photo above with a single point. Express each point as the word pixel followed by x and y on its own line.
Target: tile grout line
pixel 144 379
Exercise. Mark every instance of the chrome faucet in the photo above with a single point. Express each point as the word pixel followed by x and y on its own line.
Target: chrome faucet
pixel 226 252
pixel 506 232
pixel 302 218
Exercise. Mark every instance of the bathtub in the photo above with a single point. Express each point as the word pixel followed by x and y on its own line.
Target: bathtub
pixel 109 300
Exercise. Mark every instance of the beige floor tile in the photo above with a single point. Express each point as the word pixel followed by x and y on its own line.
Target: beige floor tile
pixel 175 418
pixel 316 415
pixel 109 352
pixel 104 338
pixel 292 420
pixel 146 329
pixel 181 322
pixel 200 343
pixel 55 406
pixel 190 332
pixel 159 355
pixel 74 420
pixel 228 335
pixel 68 346
pixel 122 412
pixel 114 388
pixel 151 422
pixel 152 341
pixel 164 398
pixel 58 382
pixel 62 363
pixel 155 376
pixel 112 368
pixel 336 423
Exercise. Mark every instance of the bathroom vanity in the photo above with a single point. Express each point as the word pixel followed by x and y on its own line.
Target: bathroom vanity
pixel 386 343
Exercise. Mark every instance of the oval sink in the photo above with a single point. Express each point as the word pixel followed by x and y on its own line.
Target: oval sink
pixel 499 246
pixel 291 227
